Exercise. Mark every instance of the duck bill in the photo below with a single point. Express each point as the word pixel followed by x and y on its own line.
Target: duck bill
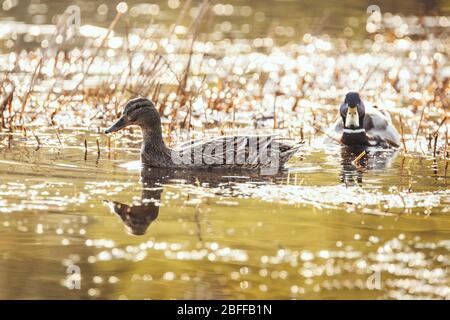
pixel 352 118
pixel 120 124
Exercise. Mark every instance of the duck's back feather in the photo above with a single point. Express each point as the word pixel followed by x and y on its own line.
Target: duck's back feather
pixel 379 127
pixel 245 152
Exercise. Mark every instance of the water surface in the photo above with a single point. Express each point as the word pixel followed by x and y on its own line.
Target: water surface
pixel 323 229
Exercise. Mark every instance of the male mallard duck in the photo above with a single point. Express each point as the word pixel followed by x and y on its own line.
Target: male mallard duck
pixel 228 152
pixel 364 126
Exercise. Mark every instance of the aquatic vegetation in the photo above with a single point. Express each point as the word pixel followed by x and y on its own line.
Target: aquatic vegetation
pixel 291 87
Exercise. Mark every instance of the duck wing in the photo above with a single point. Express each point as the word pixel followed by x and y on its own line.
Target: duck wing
pixel 379 127
pixel 387 115
pixel 245 152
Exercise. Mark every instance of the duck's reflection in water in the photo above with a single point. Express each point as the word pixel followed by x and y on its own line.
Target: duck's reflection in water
pixel 138 217
pixel 352 172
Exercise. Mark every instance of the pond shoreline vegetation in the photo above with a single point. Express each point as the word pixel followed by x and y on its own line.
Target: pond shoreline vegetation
pixel 47 87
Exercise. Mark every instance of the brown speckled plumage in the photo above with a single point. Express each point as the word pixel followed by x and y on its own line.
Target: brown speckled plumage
pixel 219 152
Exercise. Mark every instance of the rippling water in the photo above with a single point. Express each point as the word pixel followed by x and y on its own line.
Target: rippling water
pixel 322 229
pixel 243 18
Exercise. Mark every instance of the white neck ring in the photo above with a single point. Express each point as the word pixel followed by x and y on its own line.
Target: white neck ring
pixel 354 130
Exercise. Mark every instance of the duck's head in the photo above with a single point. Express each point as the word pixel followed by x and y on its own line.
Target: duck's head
pixel 140 112
pixel 136 218
pixel 352 111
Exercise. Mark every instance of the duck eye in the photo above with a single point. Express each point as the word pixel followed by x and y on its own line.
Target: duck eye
pixel 132 117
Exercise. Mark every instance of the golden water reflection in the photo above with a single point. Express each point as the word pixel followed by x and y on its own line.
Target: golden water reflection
pixel 307 233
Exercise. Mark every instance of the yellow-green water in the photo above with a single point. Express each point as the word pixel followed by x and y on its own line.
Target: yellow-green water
pixel 324 229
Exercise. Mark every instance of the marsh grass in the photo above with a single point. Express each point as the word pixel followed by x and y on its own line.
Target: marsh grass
pixel 358 158
pixel 204 87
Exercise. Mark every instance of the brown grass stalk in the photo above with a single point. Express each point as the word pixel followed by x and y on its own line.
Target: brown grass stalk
pixel 37 140
pixel 419 126
pixel 355 162
pixel 402 133
pixel 436 136
pixel 102 43
pixel 98 147
pixel 30 88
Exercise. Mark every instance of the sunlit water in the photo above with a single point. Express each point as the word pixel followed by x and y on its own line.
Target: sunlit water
pixel 323 229
pixel 235 18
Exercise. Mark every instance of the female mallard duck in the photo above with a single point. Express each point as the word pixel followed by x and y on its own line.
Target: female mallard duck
pixel 364 126
pixel 228 152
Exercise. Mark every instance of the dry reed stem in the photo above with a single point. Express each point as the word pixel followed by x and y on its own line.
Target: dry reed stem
pixel 369 75
pixel 37 70
pixel 419 126
pixel 440 125
pixel 435 144
pixel 110 28
pixel 318 129
pixel 7 101
pixel 37 140
pixel 445 153
pixel 402 133
pixel 183 11
pixel 57 136
pixel 85 149
pixel 98 147
pixel 445 144
pixel 355 162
